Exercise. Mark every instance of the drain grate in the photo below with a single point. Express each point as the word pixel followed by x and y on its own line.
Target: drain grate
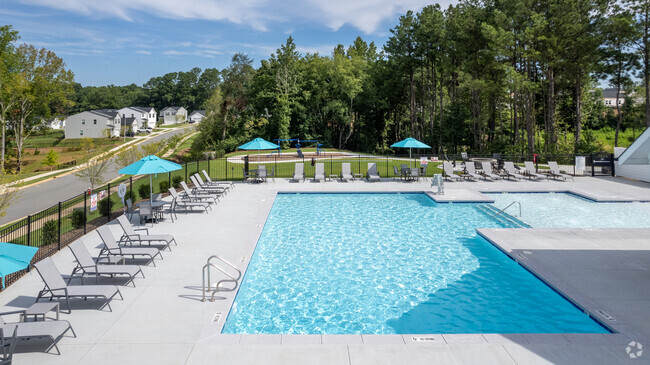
pixel 605 315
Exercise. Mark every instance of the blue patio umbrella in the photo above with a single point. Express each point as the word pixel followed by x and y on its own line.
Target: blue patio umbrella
pixel 150 165
pixel 258 144
pixel 409 143
pixel 14 258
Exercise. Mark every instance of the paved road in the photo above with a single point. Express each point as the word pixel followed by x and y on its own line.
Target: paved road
pixel 35 198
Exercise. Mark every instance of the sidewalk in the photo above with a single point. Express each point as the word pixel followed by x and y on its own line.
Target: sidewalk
pixel 62 172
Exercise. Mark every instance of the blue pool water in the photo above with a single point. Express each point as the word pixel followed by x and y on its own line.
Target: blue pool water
pixel 389 263
pixel 566 210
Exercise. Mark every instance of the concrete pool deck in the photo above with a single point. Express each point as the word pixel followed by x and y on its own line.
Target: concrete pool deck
pixel 162 320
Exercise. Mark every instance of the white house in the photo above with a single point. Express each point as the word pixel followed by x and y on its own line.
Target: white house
pixel 609 97
pixel 634 162
pixel 196 116
pixel 146 116
pixel 94 124
pixel 173 115
pixel 55 123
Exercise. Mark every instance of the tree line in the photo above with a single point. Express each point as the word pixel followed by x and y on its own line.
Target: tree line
pixel 514 76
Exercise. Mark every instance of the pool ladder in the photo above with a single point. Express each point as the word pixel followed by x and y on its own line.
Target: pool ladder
pixel 509 205
pixel 232 273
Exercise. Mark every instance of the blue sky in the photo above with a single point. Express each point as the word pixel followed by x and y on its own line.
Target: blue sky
pixel 129 41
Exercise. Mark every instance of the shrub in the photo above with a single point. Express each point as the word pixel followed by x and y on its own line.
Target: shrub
pixel 78 218
pixel 176 181
pixel 50 232
pixel 130 194
pixel 164 186
pixel 105 206
pixel 144 191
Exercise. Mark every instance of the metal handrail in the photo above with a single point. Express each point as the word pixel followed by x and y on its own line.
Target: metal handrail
pixel 217 287
pixel 509 205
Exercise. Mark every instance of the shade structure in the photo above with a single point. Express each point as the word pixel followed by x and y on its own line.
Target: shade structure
pixel 14 258
pixel 409 143
pixel 258 144
pixel 150 165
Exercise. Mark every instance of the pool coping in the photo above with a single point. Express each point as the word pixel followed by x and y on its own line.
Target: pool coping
pixel 622 333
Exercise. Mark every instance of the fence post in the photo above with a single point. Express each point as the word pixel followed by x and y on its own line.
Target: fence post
pixel 186 172
pixel 130 186
pixel 85 218
pixel 591 157
pixel 209 165
pixel 387 172
pixel 275 167
pixel 359 163
pixel 226 167
pixel 108 196
pixel 29 230
pixel 169 179
pixel 59 240
pixel 611 161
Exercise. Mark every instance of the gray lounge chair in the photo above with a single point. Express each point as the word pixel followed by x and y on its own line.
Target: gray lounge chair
pixel 319 172
pixel 372 174
pixel 471 171
pixel 346 171
pixel 54 330
pixel 200 189
pixel 299 171
pixel 111 247
pixel 511 171
pixel 186 203
pixel 198 182
pixel 396 173
pixel 448 171
pixel 7 344
pixel 197 196
pixel 226 184
pixel 132 236
pixel 556 173
pixel 487 170
pixel 531 172
pixel 88 266
pixel 55 287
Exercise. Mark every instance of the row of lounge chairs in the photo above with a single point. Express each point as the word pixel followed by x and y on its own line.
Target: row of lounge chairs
pixel 345 175
pixel 509 171
pixel 134 243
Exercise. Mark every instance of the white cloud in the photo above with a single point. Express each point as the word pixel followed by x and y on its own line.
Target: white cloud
pixel 365 15
pixel 142 52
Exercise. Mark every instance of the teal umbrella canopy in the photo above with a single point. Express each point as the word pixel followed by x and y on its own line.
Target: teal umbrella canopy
pixel 258 144
pixel 14 258
pixel 409 143
pixel 150 165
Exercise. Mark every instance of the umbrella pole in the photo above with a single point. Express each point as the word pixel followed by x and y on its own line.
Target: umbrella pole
pixel 410 149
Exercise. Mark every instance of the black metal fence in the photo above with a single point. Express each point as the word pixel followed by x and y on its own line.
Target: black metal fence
pixel 57 226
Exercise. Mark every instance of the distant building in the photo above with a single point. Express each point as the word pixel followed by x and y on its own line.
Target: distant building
pixel 609 98
pixel 99 123
pixel 146 116
pixel 196 116
pixel 55 123
pixel 173 115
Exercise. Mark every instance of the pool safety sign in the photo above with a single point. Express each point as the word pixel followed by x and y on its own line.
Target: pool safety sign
pixel 93 202
pixel 424 161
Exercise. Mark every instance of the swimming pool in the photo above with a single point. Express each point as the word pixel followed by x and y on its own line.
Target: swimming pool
pixel 389 263
pixel 566 210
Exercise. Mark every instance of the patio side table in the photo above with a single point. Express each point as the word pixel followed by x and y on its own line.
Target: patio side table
pixel 41 309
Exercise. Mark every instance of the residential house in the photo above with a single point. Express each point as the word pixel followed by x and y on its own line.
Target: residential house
pixel 609 97
pixel 146 116
pixel 99 123
pixel 196 116
pixel 173 115
pixel 54 123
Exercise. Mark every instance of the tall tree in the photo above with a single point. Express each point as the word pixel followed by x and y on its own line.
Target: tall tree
pixel 43 84
pixel 641 17
pixel 7 79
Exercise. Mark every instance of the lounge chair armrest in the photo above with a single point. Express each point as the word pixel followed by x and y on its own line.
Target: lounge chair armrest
pixel 137 236
pixel 21 311
pixel 142 229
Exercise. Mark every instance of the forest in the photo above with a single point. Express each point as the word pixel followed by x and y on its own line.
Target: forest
pixel 503 76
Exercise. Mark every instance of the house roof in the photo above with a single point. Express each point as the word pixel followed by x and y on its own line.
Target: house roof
pixel 126 122
pixel 639 152
pixel 611 93
pixel 141 109
pixel 107 113
pixel 202 112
